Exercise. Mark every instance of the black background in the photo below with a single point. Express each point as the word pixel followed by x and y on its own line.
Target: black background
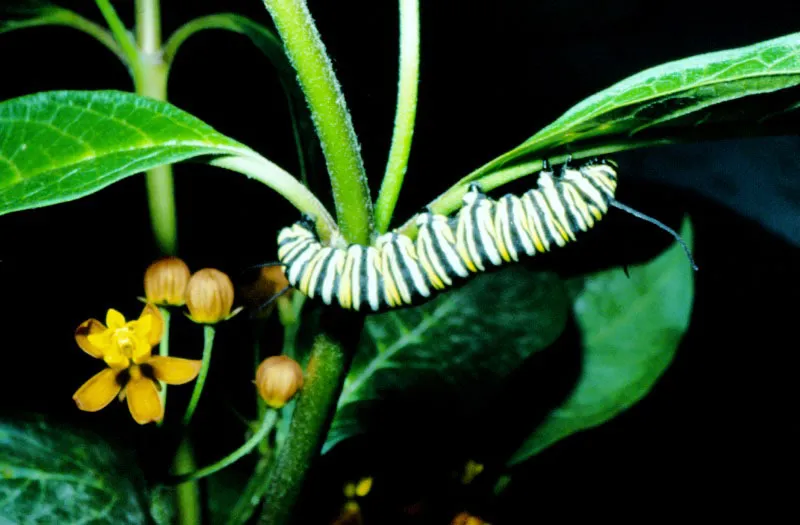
pixel 719 430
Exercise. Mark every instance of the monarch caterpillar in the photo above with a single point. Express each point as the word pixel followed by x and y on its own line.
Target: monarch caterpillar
pixel 397 271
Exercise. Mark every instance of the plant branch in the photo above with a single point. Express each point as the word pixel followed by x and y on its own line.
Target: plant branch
pixel 404 118
pixel 329 112
pixel 58 16
pixel 122 37
pixel 279 180
pixel 266 425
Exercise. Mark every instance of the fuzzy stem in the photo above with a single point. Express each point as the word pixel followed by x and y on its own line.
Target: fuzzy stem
pixel 404 118
pixel 329 112
pixel 325 374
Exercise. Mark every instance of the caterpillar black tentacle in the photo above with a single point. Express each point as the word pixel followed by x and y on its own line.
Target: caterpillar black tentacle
pixel 484 233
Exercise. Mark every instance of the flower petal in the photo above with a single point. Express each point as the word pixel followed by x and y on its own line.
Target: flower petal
pixel 114 319
pixel 116 360
pixel 174 370
pixel 156 330
pixel 92 327
pixel 98 391
pixel 141 352
pixel 143 400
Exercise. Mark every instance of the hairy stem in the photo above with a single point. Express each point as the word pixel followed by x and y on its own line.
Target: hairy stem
pixel 325 374
pixel 407 87
pixel 330 115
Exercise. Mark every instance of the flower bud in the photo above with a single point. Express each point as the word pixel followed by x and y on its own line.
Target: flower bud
pixel 209 296
pixel 465 518
pixel 278 379
pixel 165 281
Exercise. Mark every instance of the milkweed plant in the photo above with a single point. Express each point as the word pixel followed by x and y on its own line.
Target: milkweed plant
pixel 60 146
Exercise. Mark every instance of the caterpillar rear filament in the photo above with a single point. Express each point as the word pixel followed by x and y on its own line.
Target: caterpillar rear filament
pixel 484 233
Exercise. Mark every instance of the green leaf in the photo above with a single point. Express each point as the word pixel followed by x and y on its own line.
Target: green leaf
pixel 694 98
pixel 631 329
pixel 53 474
pixel 467 340
pixel 62 145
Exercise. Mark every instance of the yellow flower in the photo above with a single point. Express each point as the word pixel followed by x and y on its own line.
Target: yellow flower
pixel 132 372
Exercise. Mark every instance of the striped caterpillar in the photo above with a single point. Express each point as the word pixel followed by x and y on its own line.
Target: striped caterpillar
pixel 485 233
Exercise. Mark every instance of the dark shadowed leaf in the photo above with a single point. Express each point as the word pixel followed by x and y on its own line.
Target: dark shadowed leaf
pixel 467 340
pixel 61 145
pixel 630 329
pixel 729 93
pixel 53 474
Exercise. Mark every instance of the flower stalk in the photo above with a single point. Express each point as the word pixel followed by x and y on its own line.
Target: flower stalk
pixel 208 344
pixel 163 350
pixel 267 423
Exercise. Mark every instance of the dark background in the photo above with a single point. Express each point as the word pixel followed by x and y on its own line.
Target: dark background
pixel 718 431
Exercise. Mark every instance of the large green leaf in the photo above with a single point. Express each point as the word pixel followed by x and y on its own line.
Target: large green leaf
pixel 689 99
pixel 631 328
pixel 53 474
pixel 467 340
pixel 61 145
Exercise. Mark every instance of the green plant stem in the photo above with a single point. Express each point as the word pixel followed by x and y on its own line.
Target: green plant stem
pixel 253 492
pixel 150 80
pixel 123 38
pixel 148 26
pixel 208 345
pixel 270 174
pixel 188 493
pixel 325 374
pixel 163 350
pixel 407 87
pixel 58 16
pixel 329 112
pixel 266 425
